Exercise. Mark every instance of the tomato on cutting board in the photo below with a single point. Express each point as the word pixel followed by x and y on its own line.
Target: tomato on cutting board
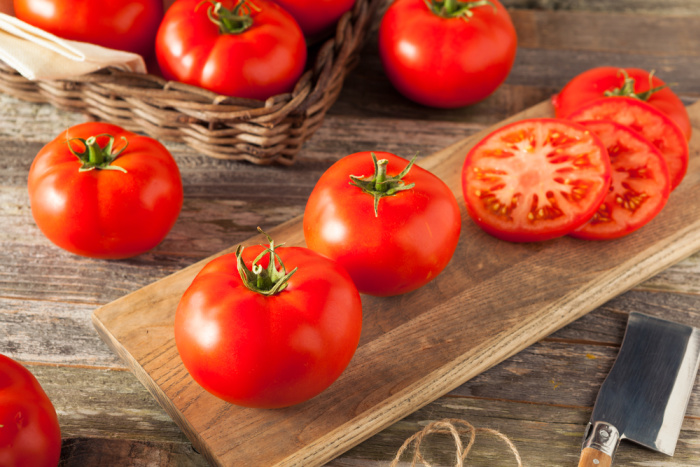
pixel 646 120
pixel 316 17
pixel 98 190
pixel 128 25
pixel 447 53
pixel 640 183
pixel 535 179
pixel 392 225
pixel 252 49
pixel 269 326
pixel 608 81
pixel 29 432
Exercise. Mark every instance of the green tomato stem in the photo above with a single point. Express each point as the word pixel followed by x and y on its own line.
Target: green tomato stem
pixel 95 156
pixel 235 21
pixel 627 88
pixel 268 281
pixel 456 9
pixel 379 184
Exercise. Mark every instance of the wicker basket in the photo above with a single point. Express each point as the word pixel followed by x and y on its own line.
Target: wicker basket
pixel 219 126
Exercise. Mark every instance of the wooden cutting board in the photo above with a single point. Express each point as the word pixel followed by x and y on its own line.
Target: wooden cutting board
pixel 494 299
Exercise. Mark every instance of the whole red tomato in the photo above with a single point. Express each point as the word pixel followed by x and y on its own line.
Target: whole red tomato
pixel 256 335
pixel 316 16
pixel 29 431
pixel 98 190
pixel 129 25
pixel 233 47
pixel 447 53
pixel 535 179
pixel 392 225
pixel 630 82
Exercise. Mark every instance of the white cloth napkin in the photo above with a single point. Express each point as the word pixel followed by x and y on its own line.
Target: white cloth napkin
pixel 36 54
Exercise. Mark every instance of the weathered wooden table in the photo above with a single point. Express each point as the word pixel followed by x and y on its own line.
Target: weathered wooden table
pixel 540 398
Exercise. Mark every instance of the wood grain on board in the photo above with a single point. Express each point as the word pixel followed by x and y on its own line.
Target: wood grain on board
pixel 493 300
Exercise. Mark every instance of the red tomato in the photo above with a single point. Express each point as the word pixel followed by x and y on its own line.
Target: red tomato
pixel 267 348
pixel 652 124
pixel 391 242
pixel 535 179
pixel 316 16
pixel 129 25
pixel 29 431
pixel 117 208
pixel 631 82
pixel 262 53
pixel 447 54
pixel 640 183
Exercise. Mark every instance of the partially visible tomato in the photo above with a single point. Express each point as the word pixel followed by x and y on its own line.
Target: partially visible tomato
pixel 447 53
pixel 535 179
pixel 649 122
pixel 29 432
pixel 392 225
pixel 118 199
pixel 611 81
pixel 129 25
pixel 233 47
pixel 640 183
pixel 316 17
pixel 256 335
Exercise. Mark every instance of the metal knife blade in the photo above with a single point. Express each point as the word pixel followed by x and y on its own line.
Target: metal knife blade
pixel 646 393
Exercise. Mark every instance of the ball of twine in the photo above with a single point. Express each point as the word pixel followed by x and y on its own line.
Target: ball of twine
pixel 456 428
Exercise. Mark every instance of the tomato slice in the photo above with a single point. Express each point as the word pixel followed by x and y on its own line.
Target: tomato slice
pixel 640 183
pixel 649 122
pixel 535 179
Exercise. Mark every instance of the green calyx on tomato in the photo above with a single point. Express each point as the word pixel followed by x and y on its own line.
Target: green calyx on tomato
pixel 95 156
pixel 455 8
pixel 233 21
pixel 627 88
pixel 380 184
pixel 268 281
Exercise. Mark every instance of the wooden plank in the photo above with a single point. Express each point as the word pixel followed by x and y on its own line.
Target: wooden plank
pixel 438 341
pixel 79 452
pixel 658 8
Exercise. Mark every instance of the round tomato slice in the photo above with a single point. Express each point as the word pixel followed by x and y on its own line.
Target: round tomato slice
pixel 649 122
pixel 535 179
pixel 640 183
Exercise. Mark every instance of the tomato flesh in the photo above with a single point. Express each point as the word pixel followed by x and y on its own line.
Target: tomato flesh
pixel 649 122
pixel 640 183
pixel 535 179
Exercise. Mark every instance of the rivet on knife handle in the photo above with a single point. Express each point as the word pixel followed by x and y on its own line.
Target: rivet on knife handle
pixel 599 446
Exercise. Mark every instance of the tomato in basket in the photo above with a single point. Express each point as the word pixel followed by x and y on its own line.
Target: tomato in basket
pixel 316 17
pixel 651 123
pixel 29 432
pixel 250 49
pixel 129 25
pixel 447 53
pixel 535 179
pixel 392 225
pixel 608 81
pixel 640 183
pixel 268 327
pixel 100 191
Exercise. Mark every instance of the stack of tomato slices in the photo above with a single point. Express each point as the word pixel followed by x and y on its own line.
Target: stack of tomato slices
pixel 602 169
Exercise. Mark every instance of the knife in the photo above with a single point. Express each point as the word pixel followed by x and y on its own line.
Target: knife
pixel 645 395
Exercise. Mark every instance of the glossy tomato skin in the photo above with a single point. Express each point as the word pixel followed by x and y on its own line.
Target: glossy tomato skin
pixel 29 432
pixel 405 246
pixel 316 17
pixel 446 62
pixel 646 120
pixel 269 351
pixel 640 183
pixel 535 179
pixel 592 84
pixel 105 214
pixel 128 25
pixel 264 60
